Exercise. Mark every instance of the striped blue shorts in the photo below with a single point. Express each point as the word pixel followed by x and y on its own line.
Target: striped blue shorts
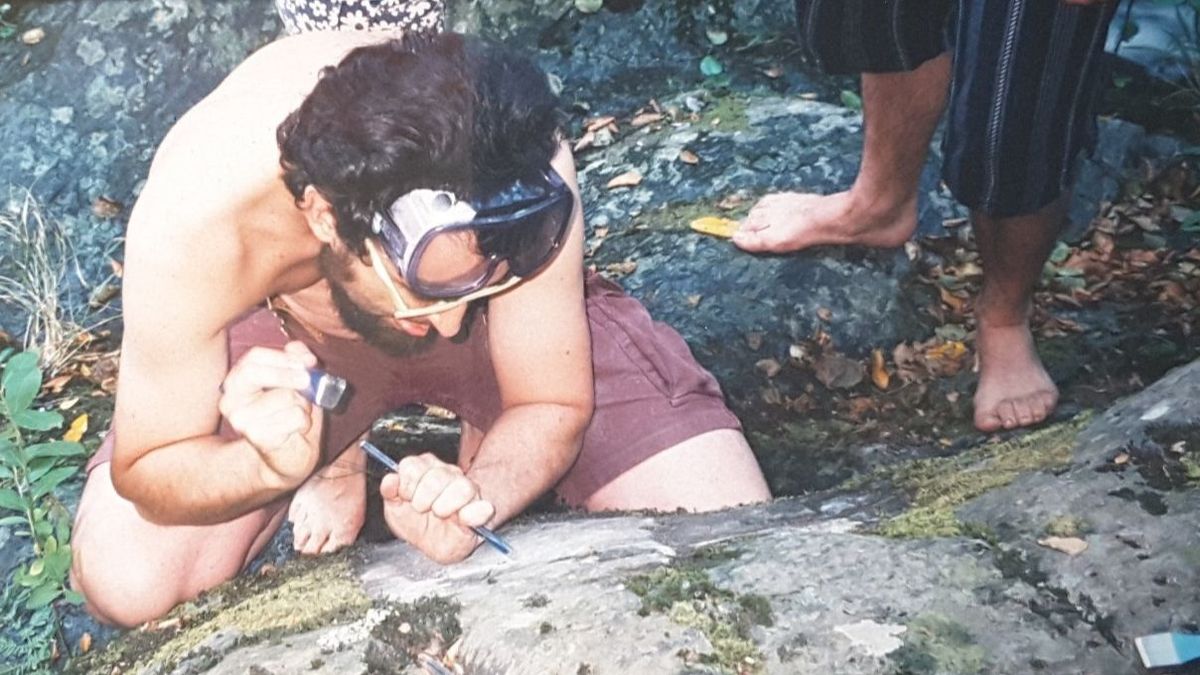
pixel 1026 79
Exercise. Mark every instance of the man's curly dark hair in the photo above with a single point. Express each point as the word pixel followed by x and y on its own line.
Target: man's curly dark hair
pixel 441 111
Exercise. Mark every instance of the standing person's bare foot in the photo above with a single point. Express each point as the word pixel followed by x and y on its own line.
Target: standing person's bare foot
pixel 329 509
pixel 791 221
pixel 1014 388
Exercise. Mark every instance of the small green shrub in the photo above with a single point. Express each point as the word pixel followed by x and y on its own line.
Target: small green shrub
pixel 30 469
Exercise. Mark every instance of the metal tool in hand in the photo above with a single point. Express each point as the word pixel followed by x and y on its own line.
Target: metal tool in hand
pixel 323 389
pixel 497 542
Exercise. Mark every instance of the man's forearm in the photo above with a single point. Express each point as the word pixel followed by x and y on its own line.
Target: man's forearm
pixel 525 453
pixel 199 481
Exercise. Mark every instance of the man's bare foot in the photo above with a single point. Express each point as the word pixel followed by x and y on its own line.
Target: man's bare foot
pixel 1014 388
pixel 791 221
pixel 329 509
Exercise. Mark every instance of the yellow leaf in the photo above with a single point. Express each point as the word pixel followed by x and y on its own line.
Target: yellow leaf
pixel 879 374
pixel 715 226
pixel 78 427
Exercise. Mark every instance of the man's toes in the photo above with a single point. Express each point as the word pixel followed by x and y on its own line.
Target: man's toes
pixel 987 420
pixel 1008 414
pixel 1024 409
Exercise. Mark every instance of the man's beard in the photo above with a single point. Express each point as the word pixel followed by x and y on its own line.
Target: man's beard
pixel 371 327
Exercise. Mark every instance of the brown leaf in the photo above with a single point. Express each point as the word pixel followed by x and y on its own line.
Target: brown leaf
pixel 879 373
pixel 732 201
pixel 103 294
pixel 56 385
pixel 645 118
pixel 825 314
pixel 1072 546
pixel 769 367
pixel 688 157
pixel 585 141
pixel 694 300
pixel 628 179
pixel 597 123
pixel 106 208
pixel 620 269
pixel 771 396
pixel 955 303
pixel 85 643
pixel 838 372
pixel 774 72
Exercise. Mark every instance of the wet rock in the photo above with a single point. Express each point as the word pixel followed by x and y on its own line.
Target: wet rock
pixel 1141 570
pixel 82 111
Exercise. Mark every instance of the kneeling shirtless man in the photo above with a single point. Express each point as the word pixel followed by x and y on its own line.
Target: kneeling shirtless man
pixel 401 212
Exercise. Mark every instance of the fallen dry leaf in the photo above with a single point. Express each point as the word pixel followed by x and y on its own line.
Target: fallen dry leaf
pixel 56 385
pixel 645 118
pixel 688 157
pixel 104 207
pixel 78 427
pixel 1072 546
pixel 879 373
pixel 585 141
pixel 799 355
pixel 774 72
pixel 597 123
pixel 85 643
pixel 825 314
pixel 838 372
pixel 694 300
pixel 715 226
pixel 102 294
pixel 955 303
pixel 627 179
pixel 769 367
pixel 619 269
pixel 754 340
pixel 1121 458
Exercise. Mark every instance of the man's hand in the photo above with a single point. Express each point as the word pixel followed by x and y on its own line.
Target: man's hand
pixel 261 399
pixel 432 505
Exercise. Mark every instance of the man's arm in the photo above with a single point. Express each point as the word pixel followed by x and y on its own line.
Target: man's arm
pixel 541 348
pixel 186 278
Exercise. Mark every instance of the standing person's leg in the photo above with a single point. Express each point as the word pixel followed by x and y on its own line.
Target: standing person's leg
pixel 902 103
pixel 1026 77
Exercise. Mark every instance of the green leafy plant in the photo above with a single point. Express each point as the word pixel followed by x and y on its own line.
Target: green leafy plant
pixel 30 469
pixel 7 29
pixel 29 472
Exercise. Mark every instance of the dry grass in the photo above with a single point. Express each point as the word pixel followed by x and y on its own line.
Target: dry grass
pixel 37 263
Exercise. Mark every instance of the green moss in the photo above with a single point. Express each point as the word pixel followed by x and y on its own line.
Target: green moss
pixel 679 216
pixel 1068 526
pixel 729 113
pixel 938 486
pixel 301 596
pixel 936 645
pixel 688 597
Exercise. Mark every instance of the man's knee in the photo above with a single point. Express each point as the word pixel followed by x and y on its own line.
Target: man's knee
pixel 119 586
pixel 130 570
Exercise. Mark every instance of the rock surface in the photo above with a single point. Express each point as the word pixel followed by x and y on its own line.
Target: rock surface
pixel 797 586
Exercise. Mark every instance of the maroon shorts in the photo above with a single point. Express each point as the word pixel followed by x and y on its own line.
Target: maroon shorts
pixel 650 393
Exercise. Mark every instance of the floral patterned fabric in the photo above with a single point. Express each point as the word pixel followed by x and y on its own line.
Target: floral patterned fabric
pixel 300 16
